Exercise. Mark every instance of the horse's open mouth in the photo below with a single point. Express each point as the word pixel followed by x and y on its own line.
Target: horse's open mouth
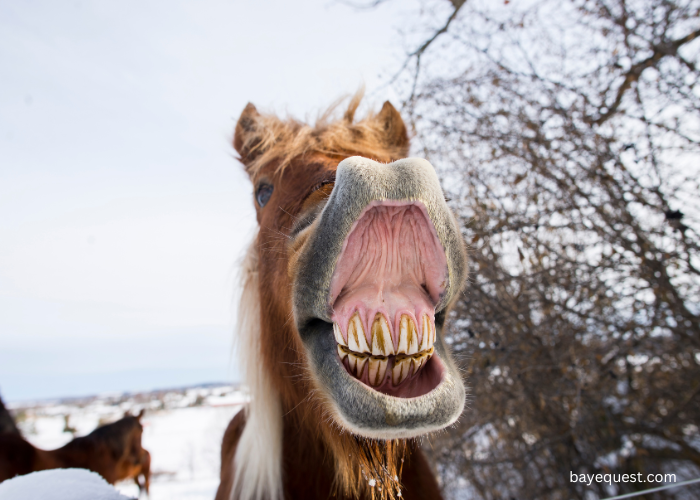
pixel 389 277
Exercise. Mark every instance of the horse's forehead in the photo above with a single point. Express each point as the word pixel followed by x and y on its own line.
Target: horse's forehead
pixel 312 165
pixel 298 172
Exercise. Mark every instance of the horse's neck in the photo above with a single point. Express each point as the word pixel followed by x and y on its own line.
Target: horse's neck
pixel 306 461
pixel 309 465
pixel 44 460
pixel 80 452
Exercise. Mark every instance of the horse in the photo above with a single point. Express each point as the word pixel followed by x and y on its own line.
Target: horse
pixel 113 451
pixel 346 288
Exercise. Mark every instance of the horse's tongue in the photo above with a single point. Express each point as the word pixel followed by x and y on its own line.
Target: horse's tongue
pixel 392 265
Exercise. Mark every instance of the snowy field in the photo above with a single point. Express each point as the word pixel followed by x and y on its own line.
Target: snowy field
pixel 182 431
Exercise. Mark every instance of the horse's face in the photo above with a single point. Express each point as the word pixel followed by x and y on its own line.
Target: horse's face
pixel 364 258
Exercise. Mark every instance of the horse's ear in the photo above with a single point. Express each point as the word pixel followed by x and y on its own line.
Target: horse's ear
pixel 138 417
pixel 246 136
pixel 396 134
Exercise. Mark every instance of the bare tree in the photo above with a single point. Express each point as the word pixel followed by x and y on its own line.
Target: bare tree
pixel 568 136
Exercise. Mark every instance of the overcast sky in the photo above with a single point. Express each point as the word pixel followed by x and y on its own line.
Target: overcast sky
pixel 122 211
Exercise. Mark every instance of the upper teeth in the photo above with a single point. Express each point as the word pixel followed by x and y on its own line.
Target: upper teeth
pixel 382 344
pixel 381 341
pixel 408 335
pixel 356 335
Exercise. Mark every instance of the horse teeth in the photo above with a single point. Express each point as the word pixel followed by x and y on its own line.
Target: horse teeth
pixel 342 353
pixel 381 337
pixel 356 335
pixel 360 366
pixel 409 356
pixel 377 370
pixel 408 336
pixel 428 338
pixel 357 364
pixel 352 363
pixel 400 370
pixel 420 361
pixel 338 335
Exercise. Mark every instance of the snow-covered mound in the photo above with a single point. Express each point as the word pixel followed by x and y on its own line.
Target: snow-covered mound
pixel 59 484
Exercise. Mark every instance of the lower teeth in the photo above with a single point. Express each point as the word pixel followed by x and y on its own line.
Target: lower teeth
pixel 403 366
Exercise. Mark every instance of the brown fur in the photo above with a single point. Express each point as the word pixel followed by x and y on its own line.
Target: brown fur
pixel 320 459
pixel 228 451
pixel 310 474
pixel 114 451
pixel 7 423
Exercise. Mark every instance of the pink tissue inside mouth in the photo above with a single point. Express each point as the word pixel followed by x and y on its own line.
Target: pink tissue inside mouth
pixel 392 263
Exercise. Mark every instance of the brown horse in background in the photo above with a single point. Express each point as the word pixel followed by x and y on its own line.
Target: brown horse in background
pixel 346 289
pixel 113 451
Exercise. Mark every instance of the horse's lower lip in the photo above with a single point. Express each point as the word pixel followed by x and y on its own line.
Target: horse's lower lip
pixel 429 402
pixel 427 378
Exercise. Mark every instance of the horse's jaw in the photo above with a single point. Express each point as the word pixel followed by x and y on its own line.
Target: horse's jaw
pixel 372 326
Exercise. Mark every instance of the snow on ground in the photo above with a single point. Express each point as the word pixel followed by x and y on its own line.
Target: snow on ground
pixel 182 430
pixel 59 484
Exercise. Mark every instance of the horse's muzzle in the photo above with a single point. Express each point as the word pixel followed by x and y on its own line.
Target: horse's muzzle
pixel 374 278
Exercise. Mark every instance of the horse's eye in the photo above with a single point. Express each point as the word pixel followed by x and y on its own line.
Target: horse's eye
pixel 263 194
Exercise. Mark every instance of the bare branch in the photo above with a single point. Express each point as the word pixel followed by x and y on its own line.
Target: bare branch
pixel 660 51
